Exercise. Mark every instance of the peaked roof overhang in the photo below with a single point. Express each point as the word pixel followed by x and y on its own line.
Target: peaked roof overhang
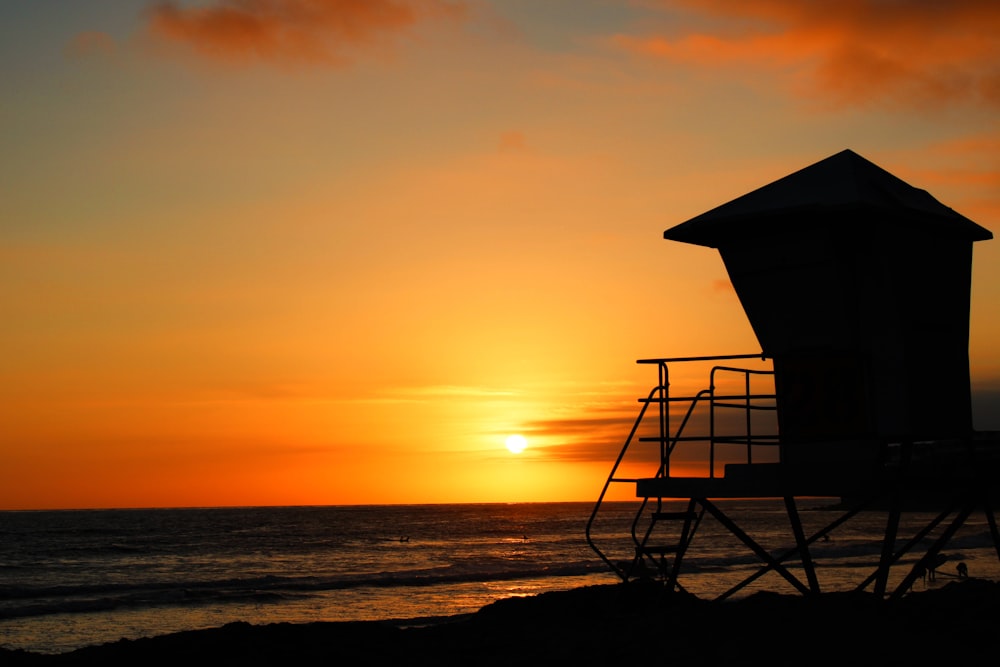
pixel 844 187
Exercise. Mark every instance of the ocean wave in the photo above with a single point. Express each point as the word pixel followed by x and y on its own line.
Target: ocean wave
pixel 24 601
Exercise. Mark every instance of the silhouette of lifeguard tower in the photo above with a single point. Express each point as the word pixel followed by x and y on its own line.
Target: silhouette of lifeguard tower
pixel 857 286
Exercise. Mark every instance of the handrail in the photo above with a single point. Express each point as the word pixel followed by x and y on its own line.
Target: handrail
pixel 747 406
pixel 679 399
pixel 611 478
pixel 668 441
pixel 720 357
pixel 665 465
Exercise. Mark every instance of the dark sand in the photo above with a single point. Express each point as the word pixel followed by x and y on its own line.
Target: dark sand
pixel 635 624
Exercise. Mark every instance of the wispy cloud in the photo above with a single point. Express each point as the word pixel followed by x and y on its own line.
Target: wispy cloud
pixel 91 43
pixel 966 168
pixel 852 53
pixel 980 155
pixel 451 391
pixel 596 437
pixel 305 393
pixel 289 32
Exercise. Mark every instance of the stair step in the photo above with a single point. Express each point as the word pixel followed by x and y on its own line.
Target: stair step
pixel 674 516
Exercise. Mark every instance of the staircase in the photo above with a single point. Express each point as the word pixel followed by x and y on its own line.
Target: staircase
pixel 716 420
pixel 667 537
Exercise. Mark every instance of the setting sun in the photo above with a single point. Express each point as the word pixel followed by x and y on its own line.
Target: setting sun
pixel 516 443
pixel 321 295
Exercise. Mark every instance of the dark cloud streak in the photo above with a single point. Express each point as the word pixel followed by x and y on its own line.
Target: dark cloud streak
pixel 289 32
pixel 851 53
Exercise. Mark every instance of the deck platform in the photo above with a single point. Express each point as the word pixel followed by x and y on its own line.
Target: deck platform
pixel 931 474
pixel 950 479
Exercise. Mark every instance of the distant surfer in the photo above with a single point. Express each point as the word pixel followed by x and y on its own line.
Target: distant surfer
pixel 963 570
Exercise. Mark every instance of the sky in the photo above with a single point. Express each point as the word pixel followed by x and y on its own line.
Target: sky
pixel 288 252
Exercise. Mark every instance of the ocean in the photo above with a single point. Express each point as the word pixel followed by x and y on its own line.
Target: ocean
pixel 75 578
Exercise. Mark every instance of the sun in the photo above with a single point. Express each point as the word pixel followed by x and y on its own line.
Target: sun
pixel 516 443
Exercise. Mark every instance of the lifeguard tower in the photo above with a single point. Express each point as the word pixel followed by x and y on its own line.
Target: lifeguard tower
pixel 857 286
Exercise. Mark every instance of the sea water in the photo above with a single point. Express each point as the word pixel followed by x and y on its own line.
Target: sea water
pixel 76 578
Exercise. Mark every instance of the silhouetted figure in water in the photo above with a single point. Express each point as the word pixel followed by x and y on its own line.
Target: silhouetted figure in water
pixel 933 564
pixel 963 570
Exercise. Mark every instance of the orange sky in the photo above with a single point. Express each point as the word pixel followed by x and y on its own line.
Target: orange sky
pixel 327 252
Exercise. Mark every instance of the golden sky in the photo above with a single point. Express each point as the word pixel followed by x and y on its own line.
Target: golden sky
pixel 260 252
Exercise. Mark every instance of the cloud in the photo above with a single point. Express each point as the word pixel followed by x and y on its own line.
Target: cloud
pixel 595 438
pixel 971 162
pixel 723 286
pixel 513 141
pixel 852 53
pixel 964 169
pixel 289 32
pixel 91 43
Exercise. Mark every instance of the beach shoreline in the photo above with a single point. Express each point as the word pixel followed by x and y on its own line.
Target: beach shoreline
pixel 605 624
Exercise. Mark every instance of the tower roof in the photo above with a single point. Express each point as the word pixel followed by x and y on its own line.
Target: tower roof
pixel 844 186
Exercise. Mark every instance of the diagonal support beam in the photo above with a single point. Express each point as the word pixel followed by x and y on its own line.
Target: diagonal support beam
pixel 992 521
pixel 935 549
pixel 720 516
pixel 921 534
pixel 819 534
pixel 888 545
pixel 803 544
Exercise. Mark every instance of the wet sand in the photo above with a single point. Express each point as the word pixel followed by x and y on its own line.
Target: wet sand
pixel 615 624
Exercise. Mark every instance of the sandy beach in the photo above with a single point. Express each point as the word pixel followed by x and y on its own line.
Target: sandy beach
pixel 610 624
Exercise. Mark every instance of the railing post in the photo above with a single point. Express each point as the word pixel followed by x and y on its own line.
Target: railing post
pixel 746 375
pixel 664 385
pixel 711 423
pixel 667 440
